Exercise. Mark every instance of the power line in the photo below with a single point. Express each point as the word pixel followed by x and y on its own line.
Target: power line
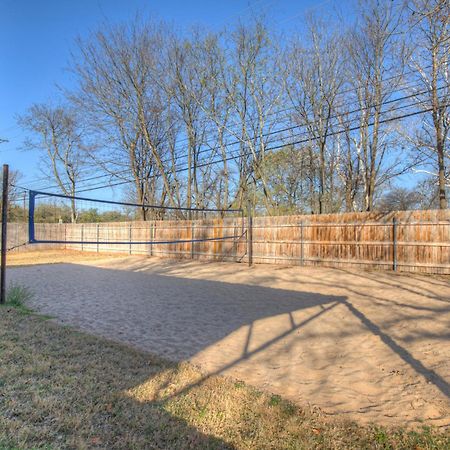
pixel 350 90
pixel 303 141
pixel 276 132
pixel 293 108
pixel 422 16
pixel 177 170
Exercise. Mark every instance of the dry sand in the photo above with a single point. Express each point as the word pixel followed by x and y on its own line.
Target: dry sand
pixel 370 346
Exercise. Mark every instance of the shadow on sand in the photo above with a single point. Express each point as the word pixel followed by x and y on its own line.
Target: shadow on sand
pixel 179 317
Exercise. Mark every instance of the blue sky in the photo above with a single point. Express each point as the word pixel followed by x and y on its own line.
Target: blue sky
pixel 36 37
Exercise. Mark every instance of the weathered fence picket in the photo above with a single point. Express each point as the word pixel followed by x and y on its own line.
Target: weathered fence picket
pixel 416 241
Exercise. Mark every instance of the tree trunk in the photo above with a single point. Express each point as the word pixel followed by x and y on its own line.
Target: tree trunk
pixel 443 204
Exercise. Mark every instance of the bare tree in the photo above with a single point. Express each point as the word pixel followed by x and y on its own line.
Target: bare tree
pixel 196 119
pixel 376 53
pixel 128 110
pixel 313 82
pixel 430 27
pixel 56 131
pixel 400 199
pixel 348 166
pixel 252 81
pixel 187 88
pixel 211 66
pixel 14 192
pixel 16 197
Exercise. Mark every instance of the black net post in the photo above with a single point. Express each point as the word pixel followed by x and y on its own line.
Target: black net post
pixel 4 232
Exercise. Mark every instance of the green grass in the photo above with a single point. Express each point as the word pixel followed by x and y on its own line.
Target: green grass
pixel 65 389
pixel 17 296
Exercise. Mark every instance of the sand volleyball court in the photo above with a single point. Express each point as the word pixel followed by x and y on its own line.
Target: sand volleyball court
pixel 368 346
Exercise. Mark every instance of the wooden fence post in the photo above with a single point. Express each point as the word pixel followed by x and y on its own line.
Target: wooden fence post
pixel 98 237
pixel 151 238
pixel 249 234
pixel 25 207
pixel 302 250
pixel 129 237
pixel 4 232
pixel 192 234
pixel 154 237
pixel 394 244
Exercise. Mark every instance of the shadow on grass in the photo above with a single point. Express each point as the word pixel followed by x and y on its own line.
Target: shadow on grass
pixel 179 318
pixel 66 389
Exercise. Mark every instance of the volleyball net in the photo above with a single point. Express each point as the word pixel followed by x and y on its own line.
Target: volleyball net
pixel 93 223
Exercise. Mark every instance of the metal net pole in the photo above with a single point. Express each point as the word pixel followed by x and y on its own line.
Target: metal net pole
pixel 4 232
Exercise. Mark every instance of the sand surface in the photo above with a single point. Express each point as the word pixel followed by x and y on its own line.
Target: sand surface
pixel 374 347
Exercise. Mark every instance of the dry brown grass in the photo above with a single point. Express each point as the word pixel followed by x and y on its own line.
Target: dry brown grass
pixel 65 389
pixel 55 256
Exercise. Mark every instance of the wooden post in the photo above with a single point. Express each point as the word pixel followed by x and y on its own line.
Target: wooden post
pixel 82 237
pixel 129 236
pixel 302 250
pixel 151 238
pixel 24 207
pixel 4 232
pixel 17 240
pixel 394 244
pixel 249 234
pixel 98 238
pixel 154 237
pixel 192 234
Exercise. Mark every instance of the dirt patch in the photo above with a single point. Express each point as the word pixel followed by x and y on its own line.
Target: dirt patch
pixel 367 346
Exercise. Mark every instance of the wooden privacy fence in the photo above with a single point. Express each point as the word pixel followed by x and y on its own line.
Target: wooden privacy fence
pixel 415 241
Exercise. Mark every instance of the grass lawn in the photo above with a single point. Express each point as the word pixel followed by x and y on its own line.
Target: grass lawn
pixel 65 389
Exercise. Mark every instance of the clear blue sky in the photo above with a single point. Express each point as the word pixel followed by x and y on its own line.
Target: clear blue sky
pixel 36 37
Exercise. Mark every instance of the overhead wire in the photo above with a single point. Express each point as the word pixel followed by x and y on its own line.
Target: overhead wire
pixel 391 101
pixel 270 114
pixel 307 140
